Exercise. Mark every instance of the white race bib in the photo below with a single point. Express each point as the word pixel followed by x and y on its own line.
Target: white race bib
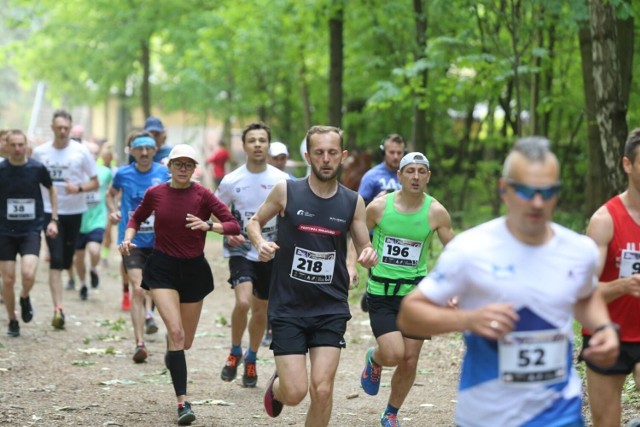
pixel 93 198
pixel 147 225
pixel 21 209
pixel 533 357
pixel 313 267
pixel 59 173
pixel 401 252
pixel 629 263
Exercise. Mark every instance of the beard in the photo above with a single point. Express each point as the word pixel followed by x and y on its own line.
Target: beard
pixel 325 178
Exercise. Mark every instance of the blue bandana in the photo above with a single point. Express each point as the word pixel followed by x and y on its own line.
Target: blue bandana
pixel 143 141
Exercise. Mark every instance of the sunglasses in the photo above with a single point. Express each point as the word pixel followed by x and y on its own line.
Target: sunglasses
pixel 527 192
pixel 186 165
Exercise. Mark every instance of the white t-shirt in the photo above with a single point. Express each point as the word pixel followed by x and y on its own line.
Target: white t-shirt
pixel 73 163
pixel 244 192
pixel 528 376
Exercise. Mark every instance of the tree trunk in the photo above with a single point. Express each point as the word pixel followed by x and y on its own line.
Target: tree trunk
pixel 146 72
pixel 611 108
pixel 336 57
pixel 419 139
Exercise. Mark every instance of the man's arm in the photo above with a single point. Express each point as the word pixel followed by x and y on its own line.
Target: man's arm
pixel 52 227
pixel 112 205
pixel 273 205
pixel 367 256
pixel 419 316
pixel 600 229
pixel 440 222
pixel 604 344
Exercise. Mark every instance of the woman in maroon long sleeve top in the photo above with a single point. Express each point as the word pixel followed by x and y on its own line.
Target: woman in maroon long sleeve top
pixel 177 273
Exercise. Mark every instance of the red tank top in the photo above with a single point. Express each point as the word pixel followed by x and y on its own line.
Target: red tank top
pixel 625 310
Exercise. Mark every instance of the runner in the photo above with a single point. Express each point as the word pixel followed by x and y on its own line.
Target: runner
pixel 69 164
pixel 21 221
pixel 519 280
pixel 310 281
pixel 615 228
pixel 92 227
pixel 177 272
pixel 244 190
pixel 131 182
pixel 403 224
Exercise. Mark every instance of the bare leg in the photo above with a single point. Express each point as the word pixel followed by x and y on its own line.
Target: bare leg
pixel 324 364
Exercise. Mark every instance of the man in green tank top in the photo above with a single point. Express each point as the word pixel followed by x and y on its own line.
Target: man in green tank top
pixel 403 224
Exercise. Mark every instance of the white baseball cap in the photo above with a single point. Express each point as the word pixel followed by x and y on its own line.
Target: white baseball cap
pixel 277 148
pixel 414 158
pixel 183 150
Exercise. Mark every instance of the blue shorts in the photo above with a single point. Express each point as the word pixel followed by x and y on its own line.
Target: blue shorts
pixel 95 235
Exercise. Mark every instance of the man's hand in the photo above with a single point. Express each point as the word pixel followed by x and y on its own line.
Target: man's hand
pixel 267 250
pixel 492 321
pixel 604 347
pixel 125 246
pixel 235 241
pixel 354 277
pixel 368 257
pixel 52 229
pixel 115 217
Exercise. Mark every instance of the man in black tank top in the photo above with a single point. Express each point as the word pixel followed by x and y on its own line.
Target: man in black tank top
pixel 308 304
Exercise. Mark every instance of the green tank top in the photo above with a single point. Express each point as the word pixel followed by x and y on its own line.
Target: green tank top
pixel 401 241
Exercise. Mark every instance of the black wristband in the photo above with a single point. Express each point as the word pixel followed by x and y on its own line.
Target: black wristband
pixel 54 219
pixel 611 325
pixel 80 190
pixel 210 224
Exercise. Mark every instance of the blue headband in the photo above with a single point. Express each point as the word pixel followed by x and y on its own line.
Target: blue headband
pixel 143 141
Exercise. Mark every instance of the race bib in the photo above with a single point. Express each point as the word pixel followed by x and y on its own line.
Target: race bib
pixel 535 357
pixel 313 267
pixel 93 199
pixel 59 173
pixel 401 252
pixel 21 209
pixel 629 263
pixel 147 225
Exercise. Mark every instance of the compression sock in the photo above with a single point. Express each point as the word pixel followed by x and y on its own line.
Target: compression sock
pixel 236 350
pixel 251 356
pixel 177 365
pixel 391 410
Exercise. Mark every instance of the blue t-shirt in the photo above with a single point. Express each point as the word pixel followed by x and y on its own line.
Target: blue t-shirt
pixel 133 184
pixel 377 179
pixel 21 205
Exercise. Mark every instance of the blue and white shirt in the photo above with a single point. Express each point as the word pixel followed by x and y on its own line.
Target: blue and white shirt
pixel 377 179
pixel 527 378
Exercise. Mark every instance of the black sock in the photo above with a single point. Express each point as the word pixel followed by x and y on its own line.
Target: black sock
pixel 177 365
pixel 125 287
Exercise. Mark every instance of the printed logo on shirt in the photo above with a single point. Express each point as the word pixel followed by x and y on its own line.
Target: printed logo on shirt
pixel 267 186
pixel 331 218
pixel 156 181
pixel 503 272
pixel 318 230
pixel 305 213
pixel 239 189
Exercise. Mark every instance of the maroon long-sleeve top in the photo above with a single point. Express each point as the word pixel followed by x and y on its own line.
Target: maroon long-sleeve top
pixel 170 207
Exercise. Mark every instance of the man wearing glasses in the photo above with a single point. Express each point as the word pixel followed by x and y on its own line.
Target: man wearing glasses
pixel 518 280
pixel 132 181
pixel 244 190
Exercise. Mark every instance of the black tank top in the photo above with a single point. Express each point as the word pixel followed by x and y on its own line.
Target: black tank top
pixel 310 276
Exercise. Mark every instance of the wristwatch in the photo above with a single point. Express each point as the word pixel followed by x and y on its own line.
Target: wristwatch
pixel 80 190
pixel 210 224
pixel 611 325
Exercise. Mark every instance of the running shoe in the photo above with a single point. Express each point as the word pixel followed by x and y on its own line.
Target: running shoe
pixel 58 319
pixel 71 285
pixel 230 369
pixel 150 326
pixel 271 404
pixel 14 329
pixel 370 379
pixel 250 376
pixel 140 355
pixel 267 339
pixel 126 301
pixel 26 310
pixel 84 293
pixel 95 279
pixel 185 414
pixel 389 420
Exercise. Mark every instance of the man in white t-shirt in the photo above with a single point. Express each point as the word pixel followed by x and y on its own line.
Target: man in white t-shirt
pixel 73 172
pixel 244 190
pixel 518 281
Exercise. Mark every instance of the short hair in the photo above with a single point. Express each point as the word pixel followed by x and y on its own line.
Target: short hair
pixel 256 126
pixel 17 132
pixel 320 129
pixel 395 138
pixel 61 113
pixel 533 148
pixel 632 144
